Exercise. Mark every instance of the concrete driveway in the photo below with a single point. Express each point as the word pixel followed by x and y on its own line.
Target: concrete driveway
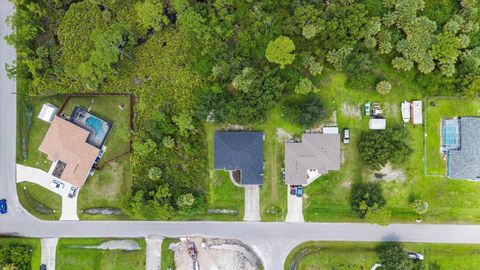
pixel 252 203
pixel 154 252
pixel 42 178
pixel 49 251
pixel 295 208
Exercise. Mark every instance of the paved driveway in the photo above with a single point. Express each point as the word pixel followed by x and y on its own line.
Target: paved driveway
pixel 154 252
pixel 295 208
pixel 252 203
pixel 49 251
pixel 42 178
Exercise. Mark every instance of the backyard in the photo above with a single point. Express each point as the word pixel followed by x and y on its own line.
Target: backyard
pixel 327 199
pixel 350 255
pixel 82 254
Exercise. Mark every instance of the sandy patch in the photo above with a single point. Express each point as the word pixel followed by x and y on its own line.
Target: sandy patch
pixel 351 111
pixel 387 173
pixel 215 254
pixel 282 135
pixel 346 184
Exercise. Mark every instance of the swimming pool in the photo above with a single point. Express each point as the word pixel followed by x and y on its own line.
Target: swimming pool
pixel 450 134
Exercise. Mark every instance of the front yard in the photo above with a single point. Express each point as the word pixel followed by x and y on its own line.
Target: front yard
pixel 76 254
pixel 31 243
pixel 354 255
pixel 39 201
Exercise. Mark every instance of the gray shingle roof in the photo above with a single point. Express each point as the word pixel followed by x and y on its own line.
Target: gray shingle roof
pixel 316 152
pixel 465 163
pixel 240 151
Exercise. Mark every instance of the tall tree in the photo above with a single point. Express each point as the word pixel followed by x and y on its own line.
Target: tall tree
pixel 280 50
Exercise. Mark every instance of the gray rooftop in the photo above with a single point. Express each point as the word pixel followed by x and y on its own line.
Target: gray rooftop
pixel 240 151
pixel 465 163
pixel 317 151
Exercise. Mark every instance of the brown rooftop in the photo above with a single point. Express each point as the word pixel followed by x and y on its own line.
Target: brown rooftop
pixel 67 143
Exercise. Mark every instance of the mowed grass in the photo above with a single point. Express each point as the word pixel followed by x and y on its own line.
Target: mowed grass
pixel 33 244
pixel 444 108
pixel 353 255
pixel 273 192
pixel 70 255
pixel 39 201
pixel 327 199
pixel 37 130
pixel 222 193
pixel 107 188
pixel 168 260
pixel 107 108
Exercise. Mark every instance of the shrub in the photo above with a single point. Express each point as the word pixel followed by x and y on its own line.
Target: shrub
pixel 377 148
pixel 419 207
pixel 383 87
pixel 365 196
pixel 305 110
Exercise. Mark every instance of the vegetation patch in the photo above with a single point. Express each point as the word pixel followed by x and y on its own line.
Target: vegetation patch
pixel 19 253
pixel 71 255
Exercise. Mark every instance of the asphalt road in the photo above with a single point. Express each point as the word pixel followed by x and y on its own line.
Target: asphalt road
pixel 272 241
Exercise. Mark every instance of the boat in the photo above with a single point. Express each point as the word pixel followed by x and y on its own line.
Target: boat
pixel 405 111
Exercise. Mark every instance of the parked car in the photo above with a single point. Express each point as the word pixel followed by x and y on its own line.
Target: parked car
pixel 57 184
pixel 43 267
pixel 346 135
pixel 293 190
pixel 299 191
pixel 415 256
pixel 73 192
pixel 367 108
pixel 3 206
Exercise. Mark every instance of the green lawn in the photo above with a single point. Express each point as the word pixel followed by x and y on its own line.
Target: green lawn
pixel 34 244
pixel 352 255
pixel 168 261
pixel 39 201
pixel 70 256
pixel 107 108
pixel 37 131
pixel 273 192
pixel 106 188
pixel 327 199
pixel 444 108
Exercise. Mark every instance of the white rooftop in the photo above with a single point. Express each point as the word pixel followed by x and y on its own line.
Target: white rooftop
pixel 47 113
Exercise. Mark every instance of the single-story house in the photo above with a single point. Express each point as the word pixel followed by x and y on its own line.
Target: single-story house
pixel 315 155
pixel 461 143
pixel 242 154
pixel 66 146
pixel 377 123
pixel 48 112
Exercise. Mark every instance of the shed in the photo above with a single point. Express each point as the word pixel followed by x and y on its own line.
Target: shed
pixel 377 123
pixel 416 112
pixel 47 113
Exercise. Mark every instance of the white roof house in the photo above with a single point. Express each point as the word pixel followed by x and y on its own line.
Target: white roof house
pixel 377 123
pixel 48 112
pixel 416 112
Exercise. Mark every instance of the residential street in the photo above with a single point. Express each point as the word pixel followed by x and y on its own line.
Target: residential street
pixel 272 241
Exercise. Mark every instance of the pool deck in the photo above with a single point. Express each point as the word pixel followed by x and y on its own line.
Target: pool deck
pixel 80 116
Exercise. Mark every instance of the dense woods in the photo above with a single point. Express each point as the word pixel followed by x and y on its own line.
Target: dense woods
pixel 232 61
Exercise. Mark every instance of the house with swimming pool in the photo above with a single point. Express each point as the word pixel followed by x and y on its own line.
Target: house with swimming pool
pixel 461 147
pixel 74 144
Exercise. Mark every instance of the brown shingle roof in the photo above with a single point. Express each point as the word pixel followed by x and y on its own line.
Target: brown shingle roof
pixel 67 142
pixel 316 152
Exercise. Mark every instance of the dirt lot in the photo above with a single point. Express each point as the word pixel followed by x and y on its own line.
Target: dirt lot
pixel 215 254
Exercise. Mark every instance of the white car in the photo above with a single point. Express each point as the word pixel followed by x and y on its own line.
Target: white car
pixel 57 184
